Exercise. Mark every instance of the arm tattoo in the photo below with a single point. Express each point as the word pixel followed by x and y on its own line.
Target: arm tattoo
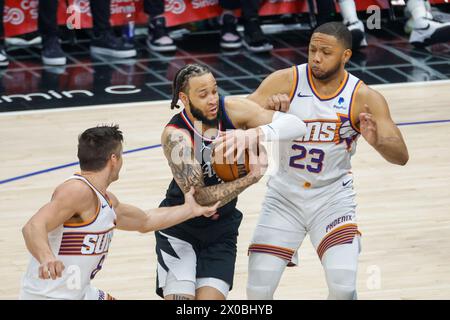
pixel 224 192
pixel 187 172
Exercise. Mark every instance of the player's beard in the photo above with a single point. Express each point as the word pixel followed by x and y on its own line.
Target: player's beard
pixel 329 74
pixel 198 114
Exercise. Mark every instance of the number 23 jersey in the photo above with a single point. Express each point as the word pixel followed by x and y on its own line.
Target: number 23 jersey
pixel 323 155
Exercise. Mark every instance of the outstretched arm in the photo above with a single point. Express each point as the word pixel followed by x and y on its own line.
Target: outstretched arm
pixel 131 218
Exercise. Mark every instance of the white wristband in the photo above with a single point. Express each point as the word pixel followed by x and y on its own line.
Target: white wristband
pixel 283 127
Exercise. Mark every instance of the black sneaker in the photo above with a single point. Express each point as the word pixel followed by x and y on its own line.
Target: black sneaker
pixel 107 44
pixel 3 57
pixel 158 39
pixel 254 38
pixel 52 54
pixel 229 37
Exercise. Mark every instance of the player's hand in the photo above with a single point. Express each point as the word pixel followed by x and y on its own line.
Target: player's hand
pixel 368 126
pixel 198 210
pixel 258 162
pixel 232 143
pixel 278 102
pixel 51 268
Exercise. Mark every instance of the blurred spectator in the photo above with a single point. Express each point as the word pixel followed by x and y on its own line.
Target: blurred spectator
pixel 356 26
pixel 158 37
pixel 3 57
pixel 104 41
pixel 254 39
pixel 426 26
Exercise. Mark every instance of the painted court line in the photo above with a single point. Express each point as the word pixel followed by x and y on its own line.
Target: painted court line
pixel 158 145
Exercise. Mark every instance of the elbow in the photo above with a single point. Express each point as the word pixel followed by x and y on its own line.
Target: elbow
pixel 402 160
pixel 26 230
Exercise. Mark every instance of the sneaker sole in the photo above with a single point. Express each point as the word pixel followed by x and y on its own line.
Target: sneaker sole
pixel 235 45
pixel 160 49
pixel 113 53
pixel 54 61
pixel 439 36
pixel 265 48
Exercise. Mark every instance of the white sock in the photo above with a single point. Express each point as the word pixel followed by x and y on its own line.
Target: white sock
pixel 418 13
pixel 348 11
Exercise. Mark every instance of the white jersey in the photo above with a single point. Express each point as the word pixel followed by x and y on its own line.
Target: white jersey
pixel 323 155
pixel 81 247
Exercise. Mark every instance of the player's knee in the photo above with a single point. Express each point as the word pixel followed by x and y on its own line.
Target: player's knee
pixel 341 284
pixel 264 273
pixel 262 284
pixel 259 292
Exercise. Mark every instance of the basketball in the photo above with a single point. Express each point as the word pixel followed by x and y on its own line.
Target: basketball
pixel 228 171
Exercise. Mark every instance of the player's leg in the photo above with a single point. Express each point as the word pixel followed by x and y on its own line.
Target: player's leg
pixel 278 234
pixel 216 260
pixel 426 29
pixel 175 289
pixel 211 289
pixel 264 274
pixel 176 267
pixel 340 264
pixel 356 26
pixel 335 236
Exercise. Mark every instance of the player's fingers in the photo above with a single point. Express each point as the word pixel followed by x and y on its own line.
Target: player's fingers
pixel 41 272
pixel 285 102
pixel 52 270
pixel 276 101
pixel 270 103
pixel 59 269
pixel 366 108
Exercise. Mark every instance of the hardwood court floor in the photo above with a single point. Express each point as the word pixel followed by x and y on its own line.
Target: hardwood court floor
pixel 403 212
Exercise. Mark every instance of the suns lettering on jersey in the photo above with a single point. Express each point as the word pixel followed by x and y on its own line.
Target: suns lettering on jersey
pixel 85 243
pixel 329 130
pixel 320 131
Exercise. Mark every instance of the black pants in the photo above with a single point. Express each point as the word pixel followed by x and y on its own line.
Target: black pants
pixel 249 8
pixel 154 7
pixel 326 11
pixel 47 22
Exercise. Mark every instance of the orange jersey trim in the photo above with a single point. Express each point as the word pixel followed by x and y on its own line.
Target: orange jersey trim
pixel 88 222
pixel 353 123
pixel 333 95
pixel 294 84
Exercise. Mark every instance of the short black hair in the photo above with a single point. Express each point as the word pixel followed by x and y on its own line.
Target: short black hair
pixel 337 30
pixel 182 77
pixel 96 145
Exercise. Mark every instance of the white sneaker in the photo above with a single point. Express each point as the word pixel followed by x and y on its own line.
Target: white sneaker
pixel 3 58
pixel 434 32
pixel 358 34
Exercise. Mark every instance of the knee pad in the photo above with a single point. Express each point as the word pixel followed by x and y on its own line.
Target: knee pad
pixel 264 273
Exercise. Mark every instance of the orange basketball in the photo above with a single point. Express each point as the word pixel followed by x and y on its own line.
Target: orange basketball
pixel 228 170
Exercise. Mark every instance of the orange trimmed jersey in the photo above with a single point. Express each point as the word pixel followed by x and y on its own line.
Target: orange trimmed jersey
pixel 323 154
pixel 82 248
